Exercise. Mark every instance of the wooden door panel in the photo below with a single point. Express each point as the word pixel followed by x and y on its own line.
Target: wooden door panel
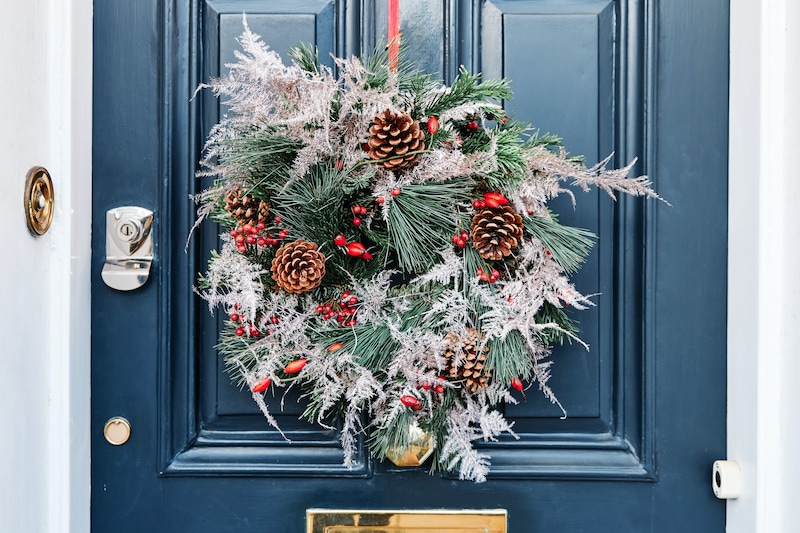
pixel 201 457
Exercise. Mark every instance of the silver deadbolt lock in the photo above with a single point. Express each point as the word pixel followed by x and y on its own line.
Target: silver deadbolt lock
pixel 129 247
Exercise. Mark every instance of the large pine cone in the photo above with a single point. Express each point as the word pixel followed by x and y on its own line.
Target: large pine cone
pixel 394 135
pixel 245 209
pixel 496 231
pixel 465 359
pixel 298 267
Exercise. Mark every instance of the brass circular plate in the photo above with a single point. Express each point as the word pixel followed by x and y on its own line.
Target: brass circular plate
pixel 39 199
pixel 117 431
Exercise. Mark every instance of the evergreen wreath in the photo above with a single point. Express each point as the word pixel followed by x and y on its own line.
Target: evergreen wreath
pixel 388 247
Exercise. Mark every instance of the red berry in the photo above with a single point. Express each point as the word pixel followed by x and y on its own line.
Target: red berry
pixel 261 226
pixel 495 274
pixel 479 271
pixel 295 366
pixel 335 346
pixel 439 389
pixel 234 233
pixel 454 238
pixel 247 228
pixel 250 239
pixel 433 125
pixel 410 401
pixel 503 120
pixel 262 241
pixel 274 319
pixel 380 200
pixel 239 331
pixel 261 385
pixel 356 249
pixel 516 384
pixel 278 219
pixel 254 332
pixel 472 125
pixel 234 317
pixel 495 199
pixel 340 240
pixel 239 239
pixel 327 308
pixel 395 192
pixel 356 221
pixel 242 248
pixel 353 300
pixel 320 309
pixel 464 235
pixel 484 277
pixel 339 164
pixel 426 386
pixel 461 243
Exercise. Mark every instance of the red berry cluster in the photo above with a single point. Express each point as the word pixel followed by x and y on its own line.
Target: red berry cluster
pixel 358 210
pixel 491 200
pixel 256 235
pixel 344 311
pixel 250 329
pixel 436 388
pixel 491 277
pixel 460 239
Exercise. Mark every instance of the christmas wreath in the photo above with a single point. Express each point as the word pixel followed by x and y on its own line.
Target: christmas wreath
pixel 388 248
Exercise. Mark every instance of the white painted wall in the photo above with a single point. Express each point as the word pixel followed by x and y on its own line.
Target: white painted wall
pixel 45 119
pixel 764 270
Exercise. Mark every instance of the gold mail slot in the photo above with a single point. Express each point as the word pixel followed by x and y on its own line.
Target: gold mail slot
pixel 428 521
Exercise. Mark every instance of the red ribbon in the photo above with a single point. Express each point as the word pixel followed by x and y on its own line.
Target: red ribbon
pixel 394 33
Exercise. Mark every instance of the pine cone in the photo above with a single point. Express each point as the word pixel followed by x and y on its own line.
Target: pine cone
pixel 395 134
pixel 465 359
pixel 496 231
pixel 245 209
pixel 298 267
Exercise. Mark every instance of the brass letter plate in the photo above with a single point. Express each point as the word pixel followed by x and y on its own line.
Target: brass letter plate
pixel 444 521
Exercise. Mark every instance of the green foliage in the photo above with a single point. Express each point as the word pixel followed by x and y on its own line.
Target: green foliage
pixel 421 221
pixel 509 358
pixel 467 88
pixel 549 313
pixel 305 57
pixel 263 157
pixel 570 246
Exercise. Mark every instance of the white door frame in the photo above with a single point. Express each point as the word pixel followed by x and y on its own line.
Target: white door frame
pixel 764 263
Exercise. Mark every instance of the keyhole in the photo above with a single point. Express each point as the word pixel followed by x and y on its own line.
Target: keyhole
pixel 718 478
pixel 127 230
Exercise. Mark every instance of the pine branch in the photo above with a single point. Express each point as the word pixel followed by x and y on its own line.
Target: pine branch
pixel 305 57
pixel 467 88
pixel 421 221
pixel 570 246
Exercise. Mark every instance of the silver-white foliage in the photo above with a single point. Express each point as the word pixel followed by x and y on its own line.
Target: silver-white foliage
pixel 234 282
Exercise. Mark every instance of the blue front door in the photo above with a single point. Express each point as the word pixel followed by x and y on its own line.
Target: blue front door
pixel 646 405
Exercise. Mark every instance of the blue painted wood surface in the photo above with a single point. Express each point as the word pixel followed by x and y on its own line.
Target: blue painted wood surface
pixel 646 405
